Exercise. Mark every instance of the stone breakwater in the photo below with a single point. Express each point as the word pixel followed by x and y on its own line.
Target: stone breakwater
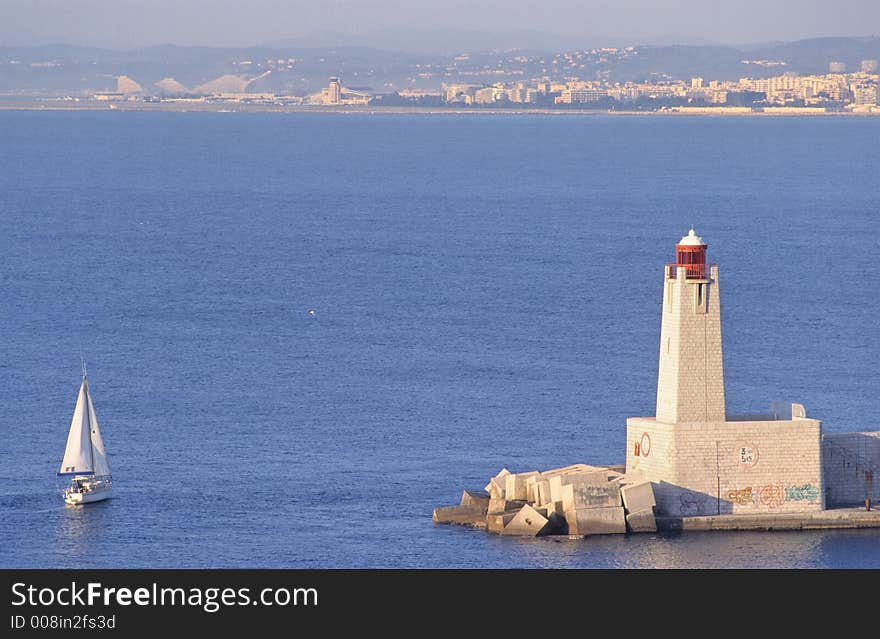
pixel 577 500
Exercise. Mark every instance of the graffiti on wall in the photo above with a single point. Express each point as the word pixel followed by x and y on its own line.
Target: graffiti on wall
pixel 641 448
pixel 773 495
pixel 807 492
pixel 645 444
pixel 742 496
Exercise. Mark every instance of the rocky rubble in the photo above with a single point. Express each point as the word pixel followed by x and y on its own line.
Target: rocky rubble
pixel 577 500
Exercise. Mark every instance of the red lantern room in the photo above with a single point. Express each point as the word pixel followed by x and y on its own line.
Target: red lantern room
pixel 690 254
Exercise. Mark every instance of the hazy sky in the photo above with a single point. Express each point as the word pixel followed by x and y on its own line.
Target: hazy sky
pixel 130 23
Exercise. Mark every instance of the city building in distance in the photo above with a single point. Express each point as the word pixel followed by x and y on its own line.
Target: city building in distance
pixel 836 90
pixel 334 94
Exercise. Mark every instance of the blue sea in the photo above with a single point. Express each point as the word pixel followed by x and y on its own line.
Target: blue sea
pixel 486 293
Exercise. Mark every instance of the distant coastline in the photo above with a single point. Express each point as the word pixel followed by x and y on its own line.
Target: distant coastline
pixel 807 77
pixel 208 107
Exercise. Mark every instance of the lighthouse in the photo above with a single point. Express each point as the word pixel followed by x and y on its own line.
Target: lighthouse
pixel 690 384
pixel 701 460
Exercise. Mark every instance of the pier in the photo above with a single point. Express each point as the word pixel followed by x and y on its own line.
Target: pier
pixel 820 520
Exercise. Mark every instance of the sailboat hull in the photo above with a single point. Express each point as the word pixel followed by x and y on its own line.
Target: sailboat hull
pixel 88 497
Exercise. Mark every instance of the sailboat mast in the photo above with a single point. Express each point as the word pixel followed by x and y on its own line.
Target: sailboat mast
pixel 89 419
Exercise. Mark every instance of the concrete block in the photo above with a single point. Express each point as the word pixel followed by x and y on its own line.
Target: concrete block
pixel 532 488
pixel 637 496
pixel 476 498
pixel 497 488
pixel 567 470
pixel 496 485
pixel 641 521
pixel 497 521
pixel 504 505
pixel 555 507
pixel 515 485
pixel 596 521
pixel 632 477
pixel 556 488
pixel 597 477
pixel 588 495
pixel 544 492
pixel 464 515
pixel 527 521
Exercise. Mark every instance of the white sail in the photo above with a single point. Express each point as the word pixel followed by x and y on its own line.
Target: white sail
pixel 101 467
pixel 78 454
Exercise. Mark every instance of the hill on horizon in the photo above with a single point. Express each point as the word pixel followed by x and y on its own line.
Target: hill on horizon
pixel 62 68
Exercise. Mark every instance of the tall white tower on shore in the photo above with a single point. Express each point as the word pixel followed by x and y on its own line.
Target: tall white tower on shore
pixel 699 461
pixel 690 384
pixel 334 91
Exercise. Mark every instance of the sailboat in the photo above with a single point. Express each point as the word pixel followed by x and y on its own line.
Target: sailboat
pixel 85 460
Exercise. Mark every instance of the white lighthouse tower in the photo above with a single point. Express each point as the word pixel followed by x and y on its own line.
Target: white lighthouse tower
pixel 690 384
pixel 700 460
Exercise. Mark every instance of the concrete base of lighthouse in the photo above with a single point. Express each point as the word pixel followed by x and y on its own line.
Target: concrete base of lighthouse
pixel 742 467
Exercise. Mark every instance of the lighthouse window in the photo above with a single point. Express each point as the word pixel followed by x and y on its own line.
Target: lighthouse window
pixel 701 304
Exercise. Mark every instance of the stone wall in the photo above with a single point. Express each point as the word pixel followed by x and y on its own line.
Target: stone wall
pixel 729 467
pixel 851 468
pixel 648 451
